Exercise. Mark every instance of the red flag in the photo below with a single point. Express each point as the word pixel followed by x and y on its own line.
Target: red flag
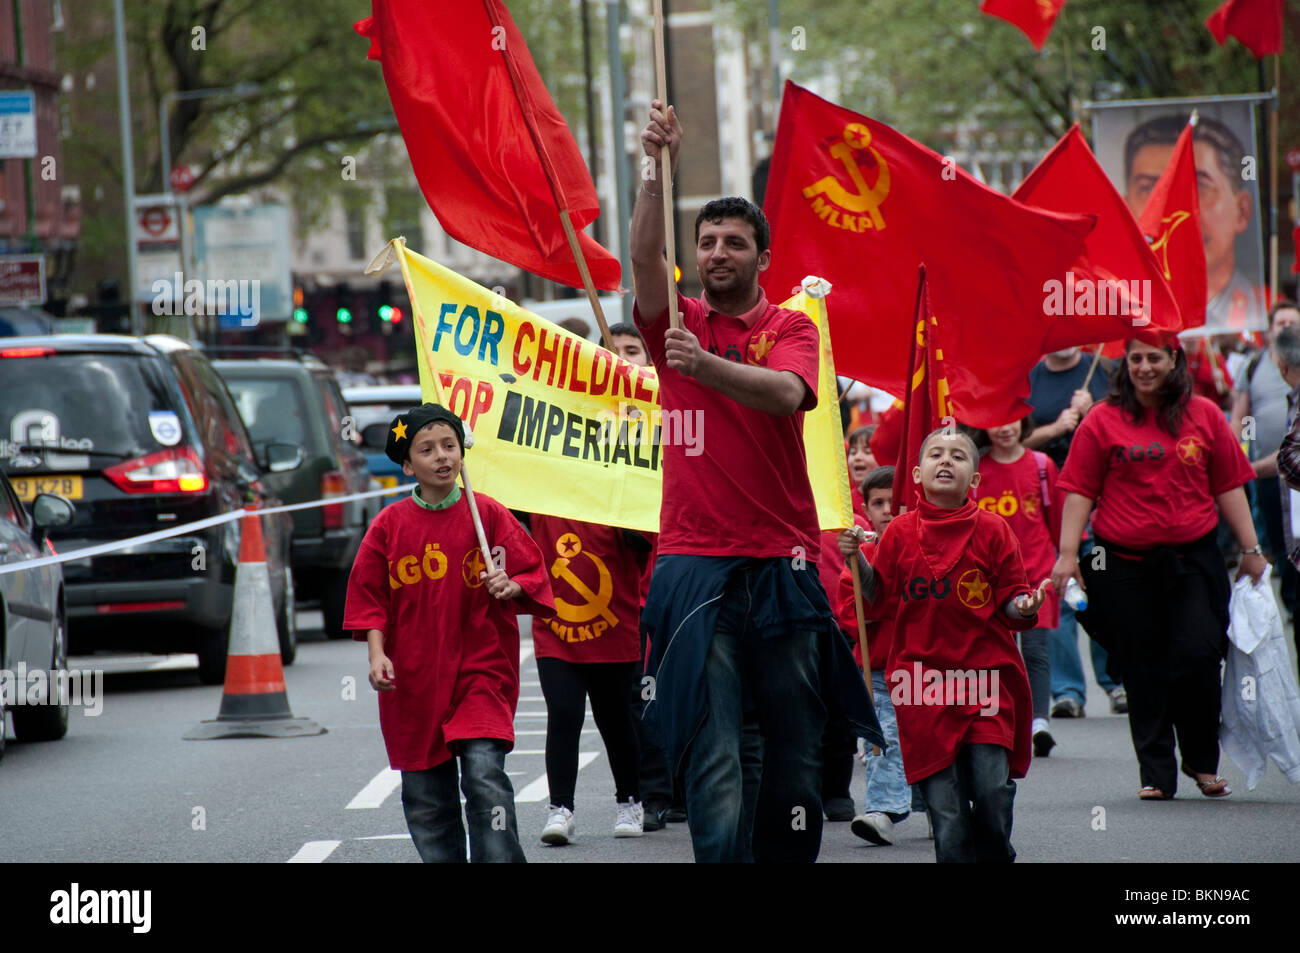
pixel 861 205
pixel 492 153
pixel 1171 221
pixel 925 406
pixel 1256 23
pixel 1033 18
pixel 1115 289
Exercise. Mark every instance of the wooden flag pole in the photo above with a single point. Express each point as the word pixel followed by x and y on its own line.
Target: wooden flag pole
pixel 583 270
pixel 1096 359
pixel 666 162
pixel 437 390
pixel 862 633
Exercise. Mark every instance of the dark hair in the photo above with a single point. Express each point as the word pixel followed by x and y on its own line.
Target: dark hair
pixel 1172 398
pixel 881 478
pixel 1165 130
pixel 626 330
pixel 981 436
pixel 736 207
pixel 961 432
pixel 1281 304
pixel 861 433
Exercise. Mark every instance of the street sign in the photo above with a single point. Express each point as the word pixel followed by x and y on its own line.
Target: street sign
pixel 250 247
pixel 22 279
pixel 181 178
pixel 156 231
pixel 17 125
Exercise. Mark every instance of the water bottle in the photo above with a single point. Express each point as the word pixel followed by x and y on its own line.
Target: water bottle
pixel 1075 597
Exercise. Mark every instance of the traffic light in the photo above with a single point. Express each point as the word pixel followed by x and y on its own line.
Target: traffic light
pixel 343 315
pixel 300 315
pixel 386 312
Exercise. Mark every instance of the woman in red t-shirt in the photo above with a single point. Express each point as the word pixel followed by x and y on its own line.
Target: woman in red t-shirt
pixel 1020 486
pixel 1160 464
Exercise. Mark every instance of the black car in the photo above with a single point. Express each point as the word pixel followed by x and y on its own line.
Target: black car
pixel 297 401
pixel 141 434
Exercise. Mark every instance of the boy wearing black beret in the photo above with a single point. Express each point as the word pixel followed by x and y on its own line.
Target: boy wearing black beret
pixel 444 642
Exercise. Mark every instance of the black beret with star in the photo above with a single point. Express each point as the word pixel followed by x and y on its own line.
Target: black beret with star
pixel 406 426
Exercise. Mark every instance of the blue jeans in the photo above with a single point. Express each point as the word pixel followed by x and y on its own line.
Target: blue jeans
pixel 1063 660
pixel 970 806
pixel 752 773
pixel 432 807
pixel 887 787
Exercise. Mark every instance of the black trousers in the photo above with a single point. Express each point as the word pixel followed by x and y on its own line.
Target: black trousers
pixel 566 687
pixel 1166 614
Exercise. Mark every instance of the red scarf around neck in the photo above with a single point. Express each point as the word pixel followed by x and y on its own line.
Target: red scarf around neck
pixel 944 533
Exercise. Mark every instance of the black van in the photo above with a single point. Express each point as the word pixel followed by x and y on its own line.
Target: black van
pixel 141 434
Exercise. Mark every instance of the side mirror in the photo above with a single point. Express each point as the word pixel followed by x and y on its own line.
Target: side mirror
pixel 374 437
pixel 279 457
pixel 48 511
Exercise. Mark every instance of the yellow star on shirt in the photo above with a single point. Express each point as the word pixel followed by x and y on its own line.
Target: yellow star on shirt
pixel 400 430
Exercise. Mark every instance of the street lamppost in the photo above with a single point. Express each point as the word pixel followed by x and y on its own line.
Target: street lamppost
pixel 240 90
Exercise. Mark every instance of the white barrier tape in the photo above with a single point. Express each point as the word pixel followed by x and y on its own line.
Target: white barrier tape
pixel 184 528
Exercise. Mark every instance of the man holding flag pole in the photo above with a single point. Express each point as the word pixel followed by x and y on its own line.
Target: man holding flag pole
pixel 739 626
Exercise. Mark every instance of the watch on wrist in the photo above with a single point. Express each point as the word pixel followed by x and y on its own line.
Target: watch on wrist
pixel 1254 550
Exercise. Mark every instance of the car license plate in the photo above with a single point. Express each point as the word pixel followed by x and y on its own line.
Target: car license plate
pixel 27 488
pixel 387 482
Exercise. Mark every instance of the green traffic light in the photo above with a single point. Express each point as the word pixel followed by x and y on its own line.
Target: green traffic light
pixel 386 313
pixel 344 316
pixel 300 315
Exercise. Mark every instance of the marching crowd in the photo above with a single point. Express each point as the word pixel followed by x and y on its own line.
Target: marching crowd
pixel 726 674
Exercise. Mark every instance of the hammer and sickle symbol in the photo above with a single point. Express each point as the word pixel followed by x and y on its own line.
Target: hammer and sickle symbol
pixel 597 603
pixel 862 199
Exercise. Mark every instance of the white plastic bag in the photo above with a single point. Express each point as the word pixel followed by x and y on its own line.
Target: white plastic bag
pixel 1260 715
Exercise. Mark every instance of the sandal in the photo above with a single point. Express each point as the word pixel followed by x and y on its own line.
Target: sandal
pixel 1150 793
pixel 1217 786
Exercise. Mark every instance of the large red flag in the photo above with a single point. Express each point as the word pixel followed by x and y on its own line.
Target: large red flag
pixel 855 202
pixel 1116 288
pixel 1256 23
pixel 1171 221
pixel 925 406
pixel 1033 18
pixel 492 153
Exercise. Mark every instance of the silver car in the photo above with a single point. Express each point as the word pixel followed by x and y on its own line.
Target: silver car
pixel 33 632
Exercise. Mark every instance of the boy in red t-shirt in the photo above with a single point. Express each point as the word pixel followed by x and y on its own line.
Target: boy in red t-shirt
pixel 1020 486
pixel 440 623
pixel 950 576
pixel 888 798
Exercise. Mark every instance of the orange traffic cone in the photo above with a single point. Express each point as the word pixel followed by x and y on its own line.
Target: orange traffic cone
pixel 254 702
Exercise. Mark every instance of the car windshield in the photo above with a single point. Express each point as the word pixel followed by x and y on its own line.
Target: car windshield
pixel 85 411
pixel 272 409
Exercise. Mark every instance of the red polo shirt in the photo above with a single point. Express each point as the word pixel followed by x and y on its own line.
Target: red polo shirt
pixel 746 492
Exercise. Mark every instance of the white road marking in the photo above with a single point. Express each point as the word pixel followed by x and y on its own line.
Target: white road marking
pixel 314 851
pixel 385 837
pixel 120 664
pixel 525 653
pixel 377 791
pixel 539 789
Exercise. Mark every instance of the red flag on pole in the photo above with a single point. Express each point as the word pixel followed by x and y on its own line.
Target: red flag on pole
pixel 1033 18
pixel 1116 288
pixel 491 151
pixel 1256 23
pixel 861 205
pixel 925 406
pixel 1171 221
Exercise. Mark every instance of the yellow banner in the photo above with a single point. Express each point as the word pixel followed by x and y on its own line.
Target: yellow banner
pixel 564 427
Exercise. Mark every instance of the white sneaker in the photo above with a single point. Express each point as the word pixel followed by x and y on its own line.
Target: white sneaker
pixel 559 829
pixel 875 827
pixel 631 819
